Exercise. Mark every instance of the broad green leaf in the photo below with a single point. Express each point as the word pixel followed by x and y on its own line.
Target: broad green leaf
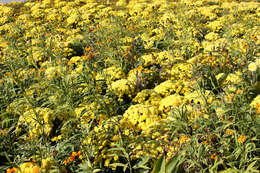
pixel 117 149
pixel 97 170
pixel 159 165
pixel 172 165
pixel 118 164
pixel 141 163
pixel 229 171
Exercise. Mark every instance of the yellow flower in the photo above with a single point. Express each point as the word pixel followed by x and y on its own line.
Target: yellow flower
pixel 139 147
pixel 116 158
pixel 74 154
pixel 206 116
pixel 36 169
pixel 122 87
pixel 205 142
pixel 183 139
pixel 127 132
pixel 48 163
pixel 66 162
pixel 29 167
pixel 229 132
pixel 56 138
pixel 212 36
pixel 73 19
pixel 174 101
pixel 107 161
pixel 11 170
pixel 214 156
pixel 115 138
pixel 139 68
pixel 258 62
pixel 233 78
pixel 252 67
pixel 241 139
pixel 4 131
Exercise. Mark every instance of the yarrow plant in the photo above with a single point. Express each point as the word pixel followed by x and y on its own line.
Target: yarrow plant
pixel 129 86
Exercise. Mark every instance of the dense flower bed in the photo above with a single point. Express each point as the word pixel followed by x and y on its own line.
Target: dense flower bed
pixel 130 86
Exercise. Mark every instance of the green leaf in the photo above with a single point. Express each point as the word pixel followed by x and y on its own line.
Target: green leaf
pixel 173 165
pixel 97 170
pixel 142 163
pixel 222 79
pixel 215 166
pixel 229 171
pixel 159 165
pixel 117 149
pixel 118 165
pixel 251 168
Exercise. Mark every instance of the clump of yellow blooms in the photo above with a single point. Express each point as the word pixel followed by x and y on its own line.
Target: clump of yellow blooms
pixel 141 116
pixel 47 165
pixel 233 78
pixel 171 101
pixel 111 74
pixel 29 167
pixel 241 139
pixel 166 88
pixel 256 104
pixel 212 36
pixel 122 87
pixel 148 97
pixel 39 121
pixel 89 112
pixel 103 137
pixel 162 58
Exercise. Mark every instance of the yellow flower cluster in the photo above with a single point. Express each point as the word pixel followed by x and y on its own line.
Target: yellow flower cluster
pixel 102 138
pixel 29 167
pixel 89 112
pixel 39 121
pixel 47 165
pixel 171 101
pixel 253 66
pixel 141 116
pixel 256 104
pixel 233 78
pixel 122 87
pixel 111 74
pixel 162 58
pixel 166 88
pixel 148 97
